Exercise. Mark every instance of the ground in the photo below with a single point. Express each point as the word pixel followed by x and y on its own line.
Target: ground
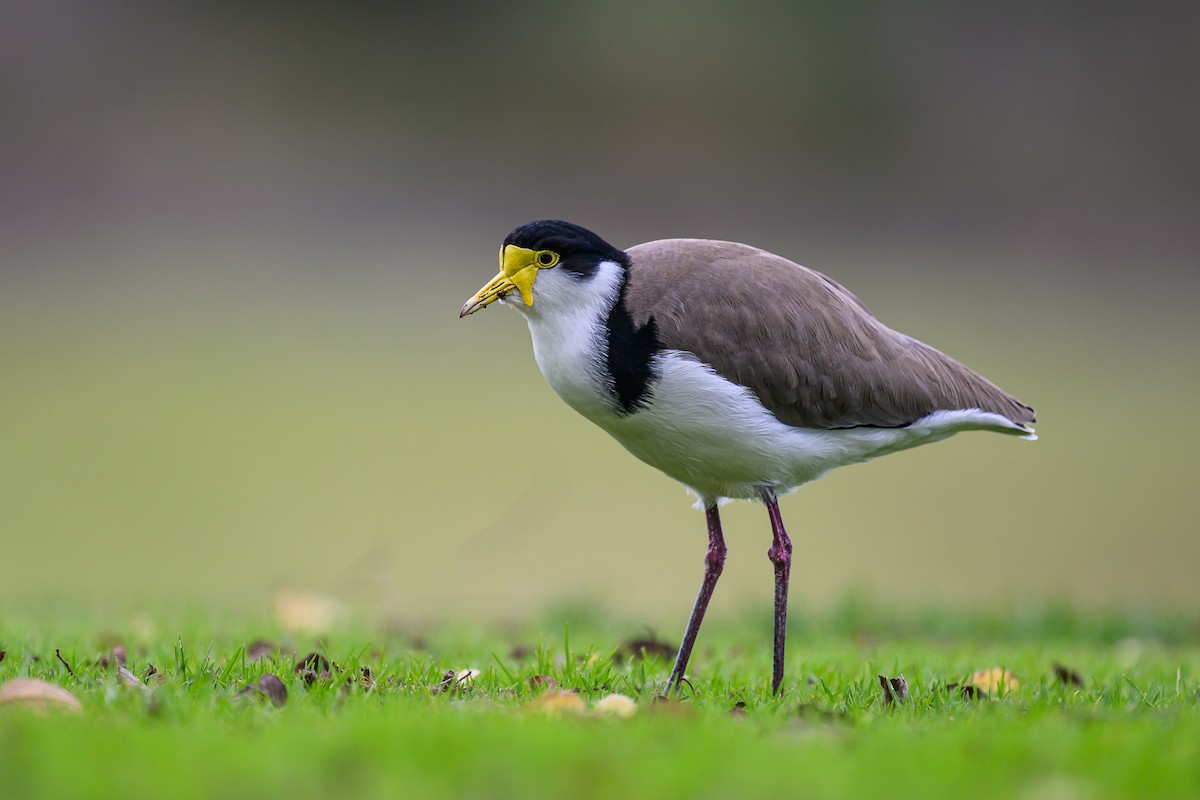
pixel 1078 706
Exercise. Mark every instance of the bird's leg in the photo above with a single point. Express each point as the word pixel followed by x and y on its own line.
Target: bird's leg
pixel 714 562
pixel 780 554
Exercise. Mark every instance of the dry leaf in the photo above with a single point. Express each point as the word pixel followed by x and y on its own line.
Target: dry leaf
pixel 312 667
pixel 616 705
pixel 271 686
pixel 542 682
pixel 152 672
pixel 996 680
pixel 306 612
pixel 739 710
pixel 894 689
pixel 1067 676
pixel 114 655
pixel 129 679
pixel 519 652
pixel 646 646
pixel 314 661
pixel 268 686
pixel 558 703
pixel 264 648
pixel 968 691
pixel 445 684
pixel 37 695
pixel 466 677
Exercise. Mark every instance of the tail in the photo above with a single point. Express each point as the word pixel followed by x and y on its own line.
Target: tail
pixel 974 419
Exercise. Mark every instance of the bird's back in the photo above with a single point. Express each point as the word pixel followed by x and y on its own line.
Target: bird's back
pixel 807 348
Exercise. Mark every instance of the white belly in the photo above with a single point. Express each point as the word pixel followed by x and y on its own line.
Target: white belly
pixel 717 439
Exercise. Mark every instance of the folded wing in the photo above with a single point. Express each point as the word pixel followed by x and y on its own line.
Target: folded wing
pixel 805 346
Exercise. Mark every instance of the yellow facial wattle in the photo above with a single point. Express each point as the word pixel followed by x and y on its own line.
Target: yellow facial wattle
pixel 518 271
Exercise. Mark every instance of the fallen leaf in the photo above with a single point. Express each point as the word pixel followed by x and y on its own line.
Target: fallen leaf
pixel 738 710
pixel 559 703
pixel 314 661
pixel 129 679
pixel 465 678
pixel 540 683
pixel 895 690
pixel 37 695
pixel 271 686
pixel 312 667
pixel 306 612
pixel 114 655
pixel 968 691
pixel 445 684
pixel 519 652
pixel 268 686
pixel 264 648
pixel 996 680
pixel 1067 676
pixel 646 646
pixel 615 705
pixel 152 673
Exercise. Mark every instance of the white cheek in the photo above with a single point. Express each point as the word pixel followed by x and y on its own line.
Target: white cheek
pixel 566 321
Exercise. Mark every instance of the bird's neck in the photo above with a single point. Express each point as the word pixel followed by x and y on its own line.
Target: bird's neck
pixel 568 325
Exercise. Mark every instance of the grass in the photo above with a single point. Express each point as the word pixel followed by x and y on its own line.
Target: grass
pixel 164 448
pixel 1132 729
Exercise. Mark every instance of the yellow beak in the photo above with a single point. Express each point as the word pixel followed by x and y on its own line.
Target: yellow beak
pixel 518 269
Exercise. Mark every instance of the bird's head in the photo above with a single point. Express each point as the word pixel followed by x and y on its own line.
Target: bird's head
pixel 541 262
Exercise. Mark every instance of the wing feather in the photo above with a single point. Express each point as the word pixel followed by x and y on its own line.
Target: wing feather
pixel 809 349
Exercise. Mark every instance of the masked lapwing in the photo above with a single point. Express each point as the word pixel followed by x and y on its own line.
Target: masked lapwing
pixel 736 372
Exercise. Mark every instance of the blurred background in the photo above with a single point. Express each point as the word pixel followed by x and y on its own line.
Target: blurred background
pixel 234 240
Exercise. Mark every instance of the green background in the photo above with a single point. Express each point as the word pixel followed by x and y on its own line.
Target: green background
pixel 235 242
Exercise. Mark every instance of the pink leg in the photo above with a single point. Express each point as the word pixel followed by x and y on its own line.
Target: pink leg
pixel 714 562
pixel 780 554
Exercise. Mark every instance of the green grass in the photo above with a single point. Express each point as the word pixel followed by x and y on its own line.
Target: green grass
pixel 1131 730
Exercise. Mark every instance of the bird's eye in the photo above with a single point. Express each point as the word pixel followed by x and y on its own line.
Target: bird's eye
pixel 546 258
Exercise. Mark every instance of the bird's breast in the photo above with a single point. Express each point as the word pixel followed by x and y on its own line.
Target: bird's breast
pixel 590 350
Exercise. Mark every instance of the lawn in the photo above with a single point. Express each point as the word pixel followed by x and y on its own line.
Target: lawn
pixel 380 712
pixel 172 450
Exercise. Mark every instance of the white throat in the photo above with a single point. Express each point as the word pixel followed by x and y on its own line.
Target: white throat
pixel 567 323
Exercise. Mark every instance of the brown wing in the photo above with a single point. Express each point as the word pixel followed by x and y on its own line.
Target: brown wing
pixel 808 349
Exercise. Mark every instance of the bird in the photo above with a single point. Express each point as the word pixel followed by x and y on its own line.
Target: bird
pixel 737 372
